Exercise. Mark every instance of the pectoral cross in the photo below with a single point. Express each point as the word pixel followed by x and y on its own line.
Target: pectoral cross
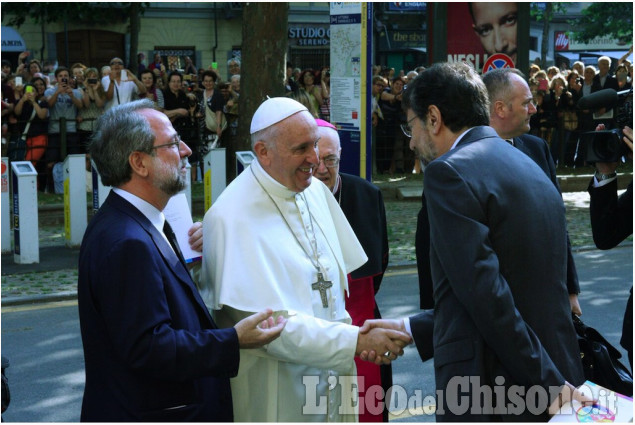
pixel 322 285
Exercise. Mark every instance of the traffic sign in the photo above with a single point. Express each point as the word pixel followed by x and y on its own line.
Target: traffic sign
pixel 496 61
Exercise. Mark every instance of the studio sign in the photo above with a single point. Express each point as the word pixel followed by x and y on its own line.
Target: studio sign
pixel 310 36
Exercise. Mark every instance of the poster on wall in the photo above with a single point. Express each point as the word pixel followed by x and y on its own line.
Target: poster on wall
pixel 477 31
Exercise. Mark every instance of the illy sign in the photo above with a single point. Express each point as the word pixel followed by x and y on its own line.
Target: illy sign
pixel 565 41
pixel 562 41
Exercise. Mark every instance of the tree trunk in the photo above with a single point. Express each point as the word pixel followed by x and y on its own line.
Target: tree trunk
pixel 263 66
pixel 545 34
pixel 135 27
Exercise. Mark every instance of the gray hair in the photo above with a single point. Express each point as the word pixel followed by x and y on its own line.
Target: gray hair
pixel 499 84
pixel 120 132
pixel 267 135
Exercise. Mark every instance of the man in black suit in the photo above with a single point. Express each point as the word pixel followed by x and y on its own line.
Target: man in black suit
pixel 612 222
pixel 151 348
pixel 603 80
pixel 498 250
pixel 511 106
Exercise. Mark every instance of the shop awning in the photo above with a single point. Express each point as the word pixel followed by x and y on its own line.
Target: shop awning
pixel 12 41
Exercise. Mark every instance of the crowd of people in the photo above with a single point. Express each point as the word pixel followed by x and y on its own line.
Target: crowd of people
pixel 54 109
pixel 557 119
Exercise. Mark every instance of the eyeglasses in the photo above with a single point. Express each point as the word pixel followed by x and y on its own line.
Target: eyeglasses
pixel 116 63
pixel 175 144
pixel 406 128
pixel 329 161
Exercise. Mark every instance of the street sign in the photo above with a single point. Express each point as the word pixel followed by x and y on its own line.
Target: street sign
pixel 496 61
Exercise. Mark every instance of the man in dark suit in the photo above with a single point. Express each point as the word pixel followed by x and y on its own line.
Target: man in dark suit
pixel 612 222
pixel 498 249
pixel 151 349
pixel 511 106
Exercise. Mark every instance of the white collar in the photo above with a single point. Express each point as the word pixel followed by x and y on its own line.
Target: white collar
pixel 270 184
pixel 155 216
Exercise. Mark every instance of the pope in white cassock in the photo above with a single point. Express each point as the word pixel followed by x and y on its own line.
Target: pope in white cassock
pixel 276 237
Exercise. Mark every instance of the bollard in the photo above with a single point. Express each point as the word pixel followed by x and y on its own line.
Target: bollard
pixel 6 208
pixel 26 242
pixel 100 192
pixel 243 159
pixel 215 178
pixel 75 216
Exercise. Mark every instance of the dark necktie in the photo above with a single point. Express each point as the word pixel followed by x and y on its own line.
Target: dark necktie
pixel 167 230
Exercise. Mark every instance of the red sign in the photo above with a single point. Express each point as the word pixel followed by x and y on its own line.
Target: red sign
pixel 5 177
pixel 497 61
pixel 562 41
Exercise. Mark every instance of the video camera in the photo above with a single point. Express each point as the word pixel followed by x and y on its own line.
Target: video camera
pixel 607 145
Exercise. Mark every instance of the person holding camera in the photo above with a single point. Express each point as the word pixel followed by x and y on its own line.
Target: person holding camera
pixel 120 84
pixel 94 99
pixel 612 221
pixel 32 111
pixel 64 102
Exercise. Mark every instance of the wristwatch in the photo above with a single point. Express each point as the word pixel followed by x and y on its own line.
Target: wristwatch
pixel 600 177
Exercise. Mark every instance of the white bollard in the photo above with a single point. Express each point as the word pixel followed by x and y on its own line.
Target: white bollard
pixel 6 208
pixel 75 215
pixel 26 242
pixel 100 192
pixel 243 160
pixel 215 178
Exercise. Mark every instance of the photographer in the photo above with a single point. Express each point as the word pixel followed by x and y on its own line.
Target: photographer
pixel 64 102
pixel 612 221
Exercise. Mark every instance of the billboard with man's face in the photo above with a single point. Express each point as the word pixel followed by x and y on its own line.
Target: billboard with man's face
pixel 479 30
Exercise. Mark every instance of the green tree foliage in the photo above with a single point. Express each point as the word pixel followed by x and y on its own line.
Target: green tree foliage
pixel 544 12
pixel 17 14
pixel 605 19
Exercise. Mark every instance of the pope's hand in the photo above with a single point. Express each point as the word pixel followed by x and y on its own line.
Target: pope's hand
pixel 379 357
pixel 259 329
pixel 384 339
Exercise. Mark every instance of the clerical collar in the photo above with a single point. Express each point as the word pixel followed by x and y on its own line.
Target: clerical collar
pixel 270 184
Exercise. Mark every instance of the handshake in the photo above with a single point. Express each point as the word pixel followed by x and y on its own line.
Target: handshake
pixel 381 341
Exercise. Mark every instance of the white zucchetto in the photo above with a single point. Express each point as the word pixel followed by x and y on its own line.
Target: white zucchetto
pixel 274 110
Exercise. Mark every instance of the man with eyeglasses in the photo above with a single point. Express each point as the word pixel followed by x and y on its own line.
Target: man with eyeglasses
pixel 277 237
pixel 498 255
pixel 120 84
pixel 151 349
pixel 363 206
pixel 511 106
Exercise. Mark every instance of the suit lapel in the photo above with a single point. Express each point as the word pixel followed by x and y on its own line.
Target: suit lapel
pixel 171 259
